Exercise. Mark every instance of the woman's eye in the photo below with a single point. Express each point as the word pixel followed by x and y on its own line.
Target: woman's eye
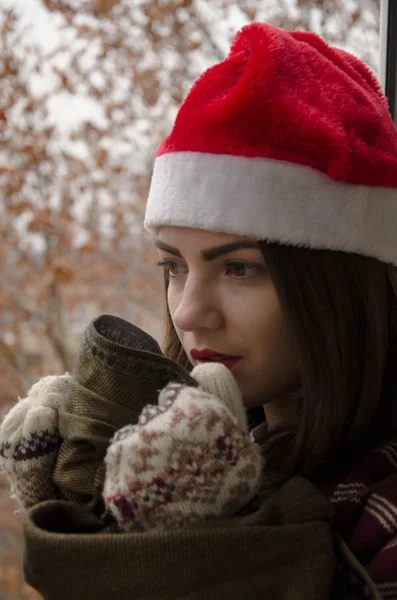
pixel 242 270
pixel 172 267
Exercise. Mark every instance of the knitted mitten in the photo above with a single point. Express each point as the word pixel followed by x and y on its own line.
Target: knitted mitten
pixel 189 458
pixel 52 444
pixel 29 441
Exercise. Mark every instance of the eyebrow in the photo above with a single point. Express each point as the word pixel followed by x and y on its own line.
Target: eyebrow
pixel 211 253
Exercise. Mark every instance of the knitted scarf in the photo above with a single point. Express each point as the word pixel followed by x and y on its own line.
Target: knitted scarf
pixel 281 551
pixel 364 498
pixel 365 504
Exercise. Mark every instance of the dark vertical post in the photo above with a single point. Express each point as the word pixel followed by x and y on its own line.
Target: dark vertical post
pixel 388 52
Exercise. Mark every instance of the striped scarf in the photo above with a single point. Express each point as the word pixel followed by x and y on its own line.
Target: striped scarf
pixel 365 504
pixel 364 498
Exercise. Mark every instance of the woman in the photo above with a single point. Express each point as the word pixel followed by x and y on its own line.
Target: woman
pixel 288 148
pixel 273 203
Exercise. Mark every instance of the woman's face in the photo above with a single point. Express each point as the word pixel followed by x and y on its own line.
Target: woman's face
pixel 222 300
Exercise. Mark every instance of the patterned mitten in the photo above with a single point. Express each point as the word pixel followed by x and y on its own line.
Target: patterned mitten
pixel 29 441
pixel 52 443
pixel 188 459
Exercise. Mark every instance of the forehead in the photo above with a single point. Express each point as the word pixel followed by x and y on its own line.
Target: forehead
pixel 186 237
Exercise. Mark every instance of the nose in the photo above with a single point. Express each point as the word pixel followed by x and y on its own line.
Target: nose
pixel 196 307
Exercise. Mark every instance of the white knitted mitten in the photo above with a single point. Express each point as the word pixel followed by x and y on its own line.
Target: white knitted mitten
pixel 29 441
pixel 189 458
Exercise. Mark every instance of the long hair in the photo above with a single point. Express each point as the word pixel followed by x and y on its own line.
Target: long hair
pixel 343 310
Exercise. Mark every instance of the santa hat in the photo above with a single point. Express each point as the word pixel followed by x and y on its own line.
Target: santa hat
pixel 287 140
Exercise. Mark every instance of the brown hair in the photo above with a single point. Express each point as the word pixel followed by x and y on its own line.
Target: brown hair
pixel 343 309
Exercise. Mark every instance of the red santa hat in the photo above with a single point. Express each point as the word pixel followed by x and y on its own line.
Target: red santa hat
pixel 286 140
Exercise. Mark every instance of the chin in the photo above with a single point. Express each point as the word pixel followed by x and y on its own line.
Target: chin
pixel 251 400
pixel 254 398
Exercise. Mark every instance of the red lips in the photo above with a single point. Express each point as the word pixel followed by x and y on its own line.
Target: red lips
pixel 208 355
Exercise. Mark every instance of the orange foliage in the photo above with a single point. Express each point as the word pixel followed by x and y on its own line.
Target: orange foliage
pixel 102 6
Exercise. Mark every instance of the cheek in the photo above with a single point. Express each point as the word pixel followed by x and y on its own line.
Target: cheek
pixel 273 364
pixel 279 344
pixel 173 301
pixel 261 318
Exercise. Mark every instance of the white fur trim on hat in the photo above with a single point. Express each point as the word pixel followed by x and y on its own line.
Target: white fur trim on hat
pixel 272 200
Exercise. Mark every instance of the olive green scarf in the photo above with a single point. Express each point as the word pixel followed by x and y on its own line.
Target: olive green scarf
pixel 283 551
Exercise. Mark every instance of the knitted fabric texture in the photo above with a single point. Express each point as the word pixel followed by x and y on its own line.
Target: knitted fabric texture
pixel 29 441
pixel 283 550
pixel 218 381
pixel 188 459
pixel 365 502
pixel 287 140
pixel 52 444
pixel 364 498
